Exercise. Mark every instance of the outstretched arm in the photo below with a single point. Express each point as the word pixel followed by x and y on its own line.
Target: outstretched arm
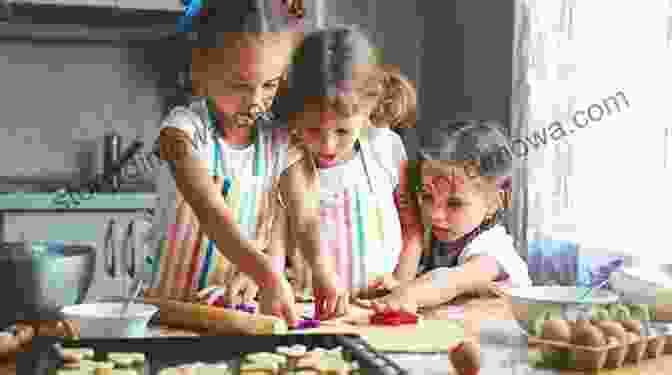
pixel 199 190
pixel 443 284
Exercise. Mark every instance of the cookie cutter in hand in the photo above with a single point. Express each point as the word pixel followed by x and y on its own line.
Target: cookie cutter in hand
pixel 214 294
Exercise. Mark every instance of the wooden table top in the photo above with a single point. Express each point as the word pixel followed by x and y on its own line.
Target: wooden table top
pixel 476 311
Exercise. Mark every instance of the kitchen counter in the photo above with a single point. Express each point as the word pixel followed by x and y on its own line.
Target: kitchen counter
pixel 504 351
pixel 22 202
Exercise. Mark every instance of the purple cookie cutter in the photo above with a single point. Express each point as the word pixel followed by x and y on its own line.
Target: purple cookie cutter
pixel 308 323
pixel 241 307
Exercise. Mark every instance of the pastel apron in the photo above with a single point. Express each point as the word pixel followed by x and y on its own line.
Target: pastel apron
pixel 187 260
pixel 360 226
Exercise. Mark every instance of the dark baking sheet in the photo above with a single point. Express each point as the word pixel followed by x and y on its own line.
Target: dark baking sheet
pixel 163 352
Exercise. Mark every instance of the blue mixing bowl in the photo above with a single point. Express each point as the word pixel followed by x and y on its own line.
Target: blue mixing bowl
pixel 37 285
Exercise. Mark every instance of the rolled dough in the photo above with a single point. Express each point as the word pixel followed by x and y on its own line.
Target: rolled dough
pixel 429 336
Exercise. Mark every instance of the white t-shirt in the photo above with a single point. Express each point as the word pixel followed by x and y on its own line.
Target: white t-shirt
pixel 499 245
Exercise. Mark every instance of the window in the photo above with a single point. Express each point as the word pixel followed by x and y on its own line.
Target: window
pixel 612 74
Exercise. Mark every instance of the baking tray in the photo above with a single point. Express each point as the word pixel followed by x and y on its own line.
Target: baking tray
pixel 161 352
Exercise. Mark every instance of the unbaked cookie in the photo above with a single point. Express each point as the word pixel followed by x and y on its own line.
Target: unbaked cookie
pixel 126 359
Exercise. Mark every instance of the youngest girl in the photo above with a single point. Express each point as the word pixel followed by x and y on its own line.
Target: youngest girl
pixel 456 192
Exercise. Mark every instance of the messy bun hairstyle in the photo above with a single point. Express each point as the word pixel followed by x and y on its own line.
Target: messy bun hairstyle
pixel 397 107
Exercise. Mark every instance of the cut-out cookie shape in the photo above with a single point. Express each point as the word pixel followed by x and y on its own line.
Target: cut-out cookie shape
pixel 393 318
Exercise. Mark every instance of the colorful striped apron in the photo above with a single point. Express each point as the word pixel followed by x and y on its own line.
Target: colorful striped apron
pixel 187 259
pixel 360 227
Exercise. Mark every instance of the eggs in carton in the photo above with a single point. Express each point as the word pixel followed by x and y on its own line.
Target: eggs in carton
pixel 599 343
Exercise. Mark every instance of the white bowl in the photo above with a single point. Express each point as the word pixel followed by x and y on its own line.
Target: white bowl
pixel 649 285
pixel 104 319
pixel 529 302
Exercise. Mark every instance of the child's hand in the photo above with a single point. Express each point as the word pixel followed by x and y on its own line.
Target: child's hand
pixel 302 276
pixel 385 282
pixel 398 300
pixel 377 288
pixel 242 290
pixel 278 300
pixel 331 299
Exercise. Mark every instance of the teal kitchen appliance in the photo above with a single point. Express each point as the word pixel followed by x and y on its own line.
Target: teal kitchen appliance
pixel 38 283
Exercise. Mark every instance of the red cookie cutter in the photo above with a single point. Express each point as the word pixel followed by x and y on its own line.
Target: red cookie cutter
pixel 393 318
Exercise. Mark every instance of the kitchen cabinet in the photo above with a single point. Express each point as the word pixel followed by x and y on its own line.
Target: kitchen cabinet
pixel 79 227
pixel 170 5
pixel 91 3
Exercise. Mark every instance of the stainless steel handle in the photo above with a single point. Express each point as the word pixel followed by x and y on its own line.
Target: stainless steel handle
pixel 110 249
pixel 128 250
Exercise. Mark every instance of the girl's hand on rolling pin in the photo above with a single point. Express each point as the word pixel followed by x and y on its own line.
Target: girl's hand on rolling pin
pixel 278 300
pixel 301 274
pixel 241 290
pixel 331 299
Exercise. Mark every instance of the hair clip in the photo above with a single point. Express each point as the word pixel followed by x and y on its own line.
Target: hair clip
pixel 192 8
pixel 504 183
pixel 295 8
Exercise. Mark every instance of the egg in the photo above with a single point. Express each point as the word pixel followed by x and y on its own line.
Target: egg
pixel 632 325
pixel 9 344
pixel 24 333
pixel 613 329
pixel 655 347
pixel 668 345
pixel 636 348
pixel 586 334
pixel 466 358
pixel 556 330
pixel 616 335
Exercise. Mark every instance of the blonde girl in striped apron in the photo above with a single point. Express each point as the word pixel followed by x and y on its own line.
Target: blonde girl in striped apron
pixel 223 136
pixel 187 260
pixel 349 171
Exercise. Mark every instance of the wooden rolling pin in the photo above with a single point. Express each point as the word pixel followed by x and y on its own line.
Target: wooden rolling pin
pixel 215 320
pixel 662 312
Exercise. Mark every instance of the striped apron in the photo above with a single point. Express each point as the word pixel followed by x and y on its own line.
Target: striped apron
pixel 186 259
pixel 360 226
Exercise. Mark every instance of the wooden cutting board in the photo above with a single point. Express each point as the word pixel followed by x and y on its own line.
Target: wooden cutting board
pixel 428 336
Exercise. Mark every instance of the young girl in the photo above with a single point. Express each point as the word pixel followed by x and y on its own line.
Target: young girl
pixel 396 110
pixel 338 192
pixel 223 157
pixel 457 193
